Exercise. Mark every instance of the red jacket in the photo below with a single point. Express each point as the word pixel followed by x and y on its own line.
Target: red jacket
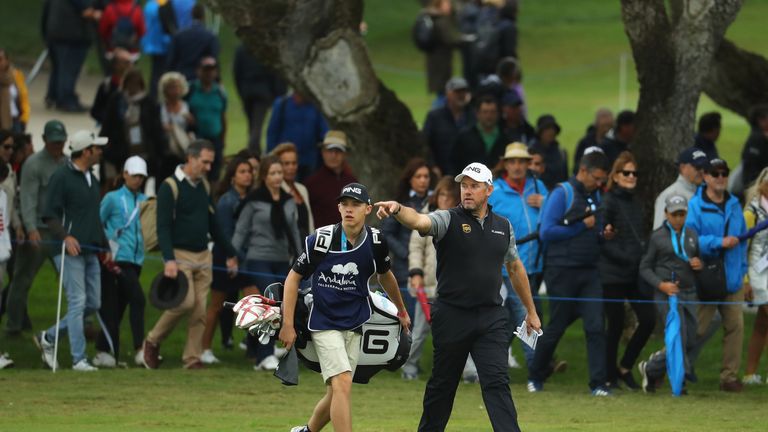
pixel 324 187
pixel 115 10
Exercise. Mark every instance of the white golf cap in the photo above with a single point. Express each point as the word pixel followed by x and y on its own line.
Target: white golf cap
pixel 476 171
pixel 135 165
pixel 83 139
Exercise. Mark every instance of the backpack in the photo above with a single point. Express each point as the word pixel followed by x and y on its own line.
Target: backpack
pixel 486 48
pixel 423 33
pixel 167 17
pixel 124 34
pixel 148 214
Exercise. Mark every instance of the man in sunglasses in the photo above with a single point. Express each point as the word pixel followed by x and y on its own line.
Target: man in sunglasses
pixel 717 218
pixel 571 231
pixel 690 163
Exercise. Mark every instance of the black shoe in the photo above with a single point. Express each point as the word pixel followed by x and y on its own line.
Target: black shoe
pixel 613 385
pixel 649 384
pixel 629 380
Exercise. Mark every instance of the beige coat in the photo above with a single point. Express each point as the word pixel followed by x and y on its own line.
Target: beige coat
pixel 9 186
pixel 305 196
pixel 423 256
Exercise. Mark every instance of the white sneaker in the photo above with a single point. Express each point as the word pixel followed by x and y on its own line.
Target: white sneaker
pixel 209 358
pixel 299 429
pixel 268 364
pixel 5 361
pixel 104 359
pixel 46 349
pixel 511 360
pixel 84 366
pixel 279 352
pixel 139 358
pixel 752 379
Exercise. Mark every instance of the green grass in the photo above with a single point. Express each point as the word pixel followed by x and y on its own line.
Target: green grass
pixel 232 396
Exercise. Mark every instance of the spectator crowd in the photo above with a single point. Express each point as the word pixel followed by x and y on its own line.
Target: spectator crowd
pixel 580 224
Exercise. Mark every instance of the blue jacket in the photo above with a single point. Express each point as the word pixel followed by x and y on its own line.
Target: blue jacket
pixel 302 125
pixel 155 40
pixel 509 203
pixel 116 207
pixel 708 220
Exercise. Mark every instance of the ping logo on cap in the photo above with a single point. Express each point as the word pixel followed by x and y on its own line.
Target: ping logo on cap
pixel 356 190
pixel 472 168
pixel 698 154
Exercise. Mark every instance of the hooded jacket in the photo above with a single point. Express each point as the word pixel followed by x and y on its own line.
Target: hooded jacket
pixel 117 208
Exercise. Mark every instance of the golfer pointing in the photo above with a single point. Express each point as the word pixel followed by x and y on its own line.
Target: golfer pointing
pixel 472 244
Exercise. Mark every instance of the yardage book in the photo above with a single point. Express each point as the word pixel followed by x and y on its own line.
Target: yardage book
pixel 528 337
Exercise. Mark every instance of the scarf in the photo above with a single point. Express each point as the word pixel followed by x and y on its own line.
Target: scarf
pixel 133 110
pixel 6 81
pixel 277 216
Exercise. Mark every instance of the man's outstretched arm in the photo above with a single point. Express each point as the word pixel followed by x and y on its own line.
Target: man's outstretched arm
pixel 407 216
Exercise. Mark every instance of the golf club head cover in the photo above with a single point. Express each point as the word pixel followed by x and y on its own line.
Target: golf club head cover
pixel 258 316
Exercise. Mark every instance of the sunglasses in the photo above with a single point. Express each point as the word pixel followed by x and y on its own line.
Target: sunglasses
pixel 628 173
pixel 717 174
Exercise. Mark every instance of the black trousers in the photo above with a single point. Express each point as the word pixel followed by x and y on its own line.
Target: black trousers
pixel 572 283
pixel 614 314
pixel 117 293
pixel 457 332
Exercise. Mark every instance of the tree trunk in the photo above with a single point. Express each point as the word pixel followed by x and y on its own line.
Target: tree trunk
pixel 317 47
pixel 738 79
pixel 673 50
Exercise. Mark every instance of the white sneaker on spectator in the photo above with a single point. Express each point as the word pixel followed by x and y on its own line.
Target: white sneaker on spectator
pixel 139 358
pixel 5 361
pixel 279 352
pixel 104 359
pixel 268 364
pixel 209 358
pixel 511 360
pixel 752 379
pixel 300 429
pixel 84 366
pixel 46 349
pixel 242 345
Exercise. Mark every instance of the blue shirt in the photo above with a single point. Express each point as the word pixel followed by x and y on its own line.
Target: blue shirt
pixel 208 107
pixel 155 41
pixel 302 125
pixel 509 203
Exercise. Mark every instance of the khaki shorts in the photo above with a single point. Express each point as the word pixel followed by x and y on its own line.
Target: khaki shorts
pixel 337 351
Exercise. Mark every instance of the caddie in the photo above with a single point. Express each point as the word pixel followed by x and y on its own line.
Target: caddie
pixel 340 259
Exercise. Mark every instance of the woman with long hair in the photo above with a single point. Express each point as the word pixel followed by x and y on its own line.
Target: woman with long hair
pixel 755 212
pixel 267 226
pixel 619 266
pixel 289 157
pixel 237 182
pixel 413 190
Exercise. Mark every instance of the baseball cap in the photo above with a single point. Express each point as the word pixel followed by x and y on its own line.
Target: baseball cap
pixel 54 131
pixel 456 83
pixel 476 171
pixel 593 149
pixel 335 139
pixel 83 139
pixel 675 203
pixel 693 156
pixel 716 165
pixel 355 191
pixel 135 165
pixel 517 150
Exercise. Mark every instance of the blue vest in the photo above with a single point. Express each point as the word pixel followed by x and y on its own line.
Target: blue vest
pixel 340 283
pixel 582 250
